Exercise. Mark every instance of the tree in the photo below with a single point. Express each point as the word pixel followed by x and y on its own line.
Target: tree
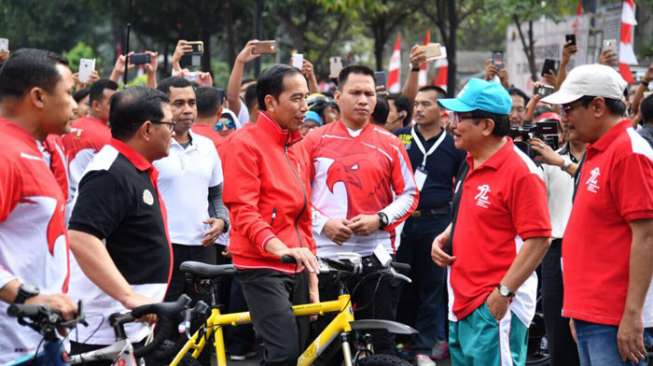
pixel 448 15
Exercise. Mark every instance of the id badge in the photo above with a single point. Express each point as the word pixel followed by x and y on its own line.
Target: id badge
pixel 420 178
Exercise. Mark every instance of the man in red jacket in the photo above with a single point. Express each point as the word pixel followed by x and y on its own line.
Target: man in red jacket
pixel 268 197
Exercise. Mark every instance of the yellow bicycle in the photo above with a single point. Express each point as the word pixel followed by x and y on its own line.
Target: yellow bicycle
pixel 342 325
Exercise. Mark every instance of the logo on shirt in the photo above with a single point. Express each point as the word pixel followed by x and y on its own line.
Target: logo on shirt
pixel 482 198
pixel 148 198
pixel 593 181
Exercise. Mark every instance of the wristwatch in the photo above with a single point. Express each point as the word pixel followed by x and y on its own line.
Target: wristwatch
pixel 505 291
pixel 25 292
pixel 415 69
pixel 565 165
pixel 383 220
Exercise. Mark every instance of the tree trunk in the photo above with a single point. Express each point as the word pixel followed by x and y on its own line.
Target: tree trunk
pixel 231 41
pixel 205 36
pixel 379 43
pixel 527 45
pixel 451 48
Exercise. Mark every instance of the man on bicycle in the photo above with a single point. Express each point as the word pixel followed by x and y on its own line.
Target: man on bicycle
pixel 35 100
pixel 267 194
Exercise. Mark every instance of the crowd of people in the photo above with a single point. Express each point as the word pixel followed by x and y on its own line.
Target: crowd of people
pixel 106 190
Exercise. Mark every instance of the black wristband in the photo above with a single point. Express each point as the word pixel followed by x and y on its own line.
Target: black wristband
pixel 414 69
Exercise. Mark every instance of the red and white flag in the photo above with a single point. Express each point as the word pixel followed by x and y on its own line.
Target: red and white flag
pixel 394 76
pixel 626 47
pixel 442 73
pixel 422 78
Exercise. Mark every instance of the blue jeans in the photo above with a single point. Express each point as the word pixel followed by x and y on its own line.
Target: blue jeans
pixel 597 345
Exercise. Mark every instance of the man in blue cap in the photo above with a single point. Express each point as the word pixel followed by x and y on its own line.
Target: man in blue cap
pixel 498 236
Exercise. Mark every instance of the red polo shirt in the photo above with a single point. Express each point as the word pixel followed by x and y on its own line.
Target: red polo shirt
pixel 208 131
pixel 503 204
pixel 615 188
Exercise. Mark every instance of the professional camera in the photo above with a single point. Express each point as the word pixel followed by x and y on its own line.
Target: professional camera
pixel 546 131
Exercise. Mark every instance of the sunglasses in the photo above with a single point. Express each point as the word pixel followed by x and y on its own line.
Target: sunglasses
pixel 225 123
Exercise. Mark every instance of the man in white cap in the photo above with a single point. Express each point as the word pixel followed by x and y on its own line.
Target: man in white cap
pixel 607 248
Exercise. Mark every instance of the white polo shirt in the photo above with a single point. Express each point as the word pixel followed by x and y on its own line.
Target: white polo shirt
pixel 185 176
pixel 560 191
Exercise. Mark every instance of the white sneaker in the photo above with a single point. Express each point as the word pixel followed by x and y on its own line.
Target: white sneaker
pixel 424 360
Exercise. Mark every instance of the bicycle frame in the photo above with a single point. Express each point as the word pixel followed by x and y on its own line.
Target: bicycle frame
pixel 214 324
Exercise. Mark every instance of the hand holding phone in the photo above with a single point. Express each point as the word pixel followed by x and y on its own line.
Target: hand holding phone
pixel 543 90
pixel 197 47
pixel 86 68
pixel 4 45
pixel 570 39
pixel 380 78
pixel 139 58
pixel 549 67
pixel 497 59
pixel 298 60
pixel 335 66
pixel 434 51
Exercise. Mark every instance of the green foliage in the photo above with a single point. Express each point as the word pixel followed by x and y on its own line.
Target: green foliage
pixel 81 50
pixel 140 80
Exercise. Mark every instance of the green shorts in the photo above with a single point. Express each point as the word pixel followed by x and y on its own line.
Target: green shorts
pixel 480 340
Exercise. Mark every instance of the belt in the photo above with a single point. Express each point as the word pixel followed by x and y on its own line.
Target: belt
pixel 441 210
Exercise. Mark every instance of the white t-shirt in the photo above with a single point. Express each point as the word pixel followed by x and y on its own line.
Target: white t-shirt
pixel 185 177
pixel 560 192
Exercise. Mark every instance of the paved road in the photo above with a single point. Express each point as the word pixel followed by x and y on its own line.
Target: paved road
pixel 256 363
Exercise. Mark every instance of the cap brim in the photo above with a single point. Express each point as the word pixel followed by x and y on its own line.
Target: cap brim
pixel 561 97
pixel 455 105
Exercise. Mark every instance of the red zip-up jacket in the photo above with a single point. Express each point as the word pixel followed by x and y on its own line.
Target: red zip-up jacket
pixel 267 192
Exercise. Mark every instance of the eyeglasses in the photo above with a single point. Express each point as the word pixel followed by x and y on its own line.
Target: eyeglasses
pixel 225 122
pixel 170 125
pixel 459 117
pixel 568 108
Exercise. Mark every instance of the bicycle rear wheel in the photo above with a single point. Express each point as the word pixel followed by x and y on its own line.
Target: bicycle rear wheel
pixel 382 360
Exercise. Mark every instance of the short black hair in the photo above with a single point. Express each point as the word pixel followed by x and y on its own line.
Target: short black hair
pixel 353 69
pixel 403 104
pixel 615 106
pixel 520 93
pixel 250 96
pixel 646 109
pixel 209 100
pixel 270 82
pixel 501 122
pixel 96 92
pixel 438 90
pixel 27 68
pixel 381 111
pixel 81 94
pixel 173 82
pixel 131 107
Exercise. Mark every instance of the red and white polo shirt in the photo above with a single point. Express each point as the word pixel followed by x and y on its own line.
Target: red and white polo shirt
pixel 33 242
pixel 615 188
pixel 503 204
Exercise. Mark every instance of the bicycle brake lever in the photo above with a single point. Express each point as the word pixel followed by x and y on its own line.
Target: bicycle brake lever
pixel 398 275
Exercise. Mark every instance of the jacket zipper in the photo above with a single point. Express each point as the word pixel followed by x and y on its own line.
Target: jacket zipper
pixel 274 216
pixel 299 180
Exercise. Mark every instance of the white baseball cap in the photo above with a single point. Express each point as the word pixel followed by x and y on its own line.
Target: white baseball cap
pixel 593 80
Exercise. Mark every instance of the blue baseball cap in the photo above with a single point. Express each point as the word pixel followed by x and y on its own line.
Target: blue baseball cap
pixel 313 116
pixel 480 95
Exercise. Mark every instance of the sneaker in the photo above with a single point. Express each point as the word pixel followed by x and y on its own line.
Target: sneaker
pixel 242 357
pixel 440 351
pixel 424 360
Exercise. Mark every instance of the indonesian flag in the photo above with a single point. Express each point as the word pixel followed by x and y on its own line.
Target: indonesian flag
pixel 442 73
pixel 626 50
pixel 424 68
pixel 394 76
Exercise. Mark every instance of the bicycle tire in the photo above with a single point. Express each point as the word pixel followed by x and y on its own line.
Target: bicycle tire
pixel 382 360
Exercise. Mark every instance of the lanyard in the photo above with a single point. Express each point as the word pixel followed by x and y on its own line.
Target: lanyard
pixel 421 147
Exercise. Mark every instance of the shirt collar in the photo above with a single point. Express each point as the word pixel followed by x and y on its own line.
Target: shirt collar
pixel 497 159
pixel 604 141
pixel 280 135
pixel 363 129
pixel 132 155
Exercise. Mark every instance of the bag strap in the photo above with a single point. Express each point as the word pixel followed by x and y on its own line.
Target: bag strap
pixel 455 204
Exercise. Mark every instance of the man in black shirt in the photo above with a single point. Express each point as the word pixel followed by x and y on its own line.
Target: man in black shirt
pixel 118 231
pixel 646 111
pixel 435 161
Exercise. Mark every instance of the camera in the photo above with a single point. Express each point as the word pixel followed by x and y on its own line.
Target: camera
pixel 140 58
pixel 546 131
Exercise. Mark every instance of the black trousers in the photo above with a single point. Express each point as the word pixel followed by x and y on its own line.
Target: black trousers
pixel 270 295
pixel 561 344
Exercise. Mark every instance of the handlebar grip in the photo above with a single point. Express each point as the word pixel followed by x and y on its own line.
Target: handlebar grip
pixel 26 310
pixel 288 259
pixel 401 267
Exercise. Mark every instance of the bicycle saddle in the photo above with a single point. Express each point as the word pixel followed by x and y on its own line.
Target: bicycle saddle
pixel 207 270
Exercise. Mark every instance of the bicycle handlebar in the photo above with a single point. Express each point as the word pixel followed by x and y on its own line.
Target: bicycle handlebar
pixel 43 318
pixel 395 269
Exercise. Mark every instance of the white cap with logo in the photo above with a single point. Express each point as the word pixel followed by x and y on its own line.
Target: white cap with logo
pixel 592 80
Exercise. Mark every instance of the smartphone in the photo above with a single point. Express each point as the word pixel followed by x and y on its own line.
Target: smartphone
pixel 198 47
pixel 497 59
pixel 335 66
pixel 380 78
pixel 543 90
pixel 298 60
pixel 192 76
pixel 549 66
pixel 570 39
pixel 265 47
pixel 434 51
pixel 4 45
pixel 140 58
pixel 610 44
pixel 86 68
